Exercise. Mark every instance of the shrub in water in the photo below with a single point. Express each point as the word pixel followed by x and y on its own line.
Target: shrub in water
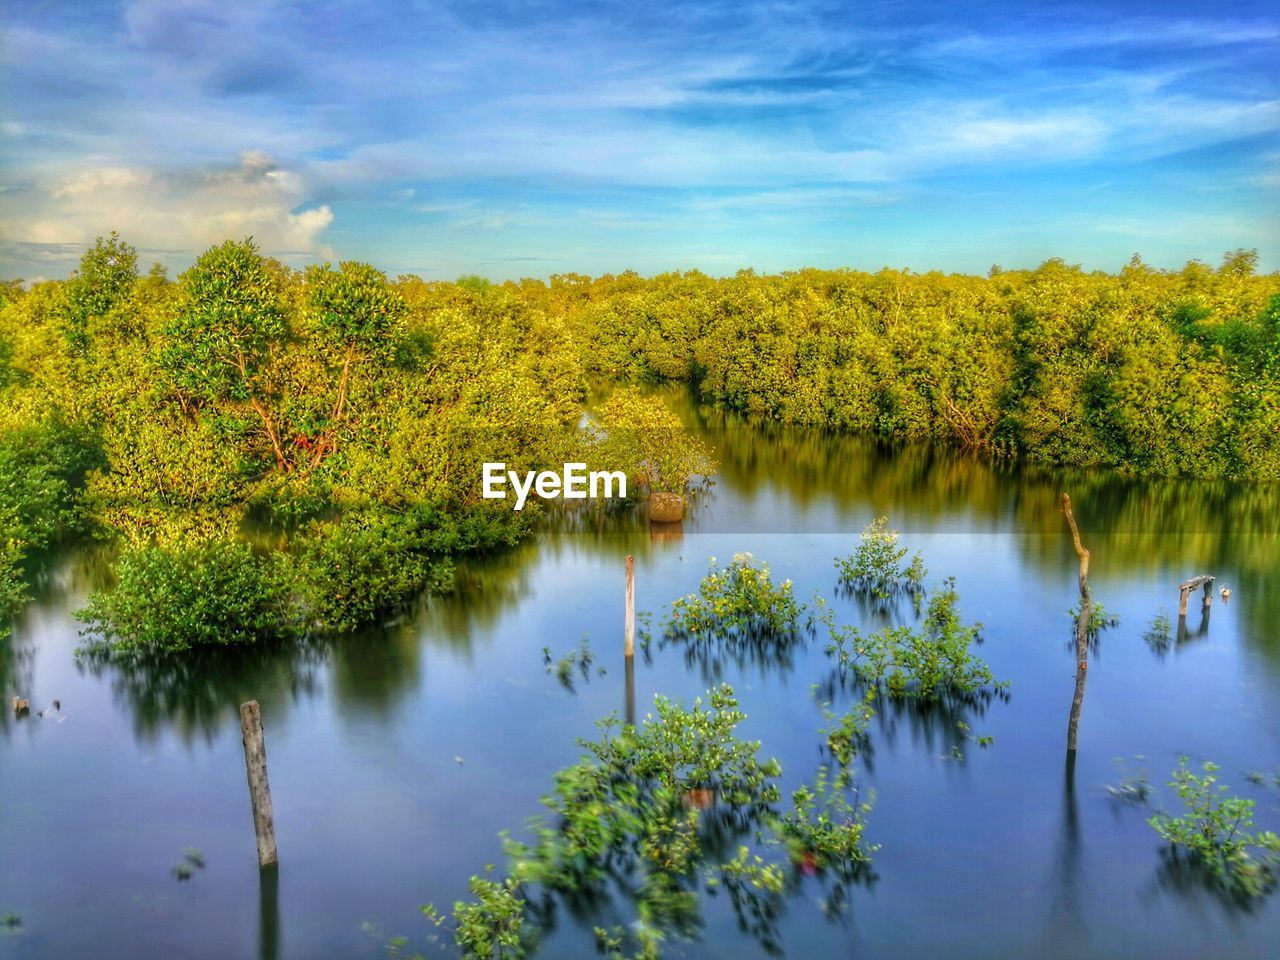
pixel 218 592
pixel 1214 834
pixel 740 597
pixel 928 664
pixel 876 566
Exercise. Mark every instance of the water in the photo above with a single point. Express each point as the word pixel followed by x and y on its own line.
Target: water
pixel 397 757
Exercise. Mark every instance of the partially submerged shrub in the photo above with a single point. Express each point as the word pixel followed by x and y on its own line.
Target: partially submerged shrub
pixel 739 597
pixel 652 806
pixel 928 664
pixel 42 469
pixel 1099 620
pixel 876 567
pixel 219 592
pixel 580 659
pixel 1214 834
pixel 643 438
pixel 352 570
pixel 1159 636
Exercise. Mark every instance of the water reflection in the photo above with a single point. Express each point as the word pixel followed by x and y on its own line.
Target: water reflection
pixel 269 912
pixel 198 692
pixel 1146 525
pixel 717 653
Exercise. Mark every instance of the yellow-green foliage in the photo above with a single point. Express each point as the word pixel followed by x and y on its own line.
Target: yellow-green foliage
pixel 1162 372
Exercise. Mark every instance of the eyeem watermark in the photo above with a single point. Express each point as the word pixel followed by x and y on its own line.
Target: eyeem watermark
pixel 573 483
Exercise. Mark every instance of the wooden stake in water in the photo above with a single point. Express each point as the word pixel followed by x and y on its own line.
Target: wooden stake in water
pixel 629 635
pixel 255 764
pixel 1082 626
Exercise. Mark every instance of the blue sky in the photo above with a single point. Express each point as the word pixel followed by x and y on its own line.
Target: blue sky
pixel 530 138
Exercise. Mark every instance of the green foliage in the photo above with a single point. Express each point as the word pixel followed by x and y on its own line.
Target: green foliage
pixel 42 470
pixel 649 804
pixel 102 284
pixel 928 664
pixel 580 659
pixel 352 570
pixel 354 306
pixel 1053 364
pixel 1214 834
pixel 1159 635
pixel 876 566
pixel 493 924
pixel 824 827
pixel 739 598
pixel 644 439
pixel 230 316
pixel 218 592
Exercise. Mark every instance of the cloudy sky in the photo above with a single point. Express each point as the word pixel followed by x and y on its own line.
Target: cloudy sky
pixel 531 138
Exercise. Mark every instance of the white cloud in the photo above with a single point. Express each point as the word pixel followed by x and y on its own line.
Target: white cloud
pixel 177 212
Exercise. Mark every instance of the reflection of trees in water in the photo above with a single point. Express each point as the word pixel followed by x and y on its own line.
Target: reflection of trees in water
pixel 711 652
pixel 197 692
pixel 943 726
pixel 1139 525
pixel 672 902
pixel 17 674
pixel 54 578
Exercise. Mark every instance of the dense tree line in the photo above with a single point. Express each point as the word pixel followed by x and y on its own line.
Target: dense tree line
pixel 313 439
pixel 1147 371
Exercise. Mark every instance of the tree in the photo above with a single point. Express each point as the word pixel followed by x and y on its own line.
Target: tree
pixel 359 318
pixel 230 318
pixel 104 281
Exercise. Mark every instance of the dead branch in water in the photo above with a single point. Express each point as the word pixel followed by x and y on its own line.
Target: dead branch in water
pixel 1082 626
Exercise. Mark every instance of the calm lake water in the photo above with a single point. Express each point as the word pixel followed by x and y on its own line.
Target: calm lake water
pixel 397 757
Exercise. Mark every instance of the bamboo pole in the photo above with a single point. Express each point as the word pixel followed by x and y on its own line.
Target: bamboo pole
pixel 255 764
pixel 1082 626
pixel 629 630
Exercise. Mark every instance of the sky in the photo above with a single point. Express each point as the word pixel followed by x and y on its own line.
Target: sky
pixel 513 139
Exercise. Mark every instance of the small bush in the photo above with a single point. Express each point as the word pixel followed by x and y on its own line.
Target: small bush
pixel 876 566
pixel 740 597
pixel 1214 834
pixel 927 664
pixel 350 572
pixel 213 593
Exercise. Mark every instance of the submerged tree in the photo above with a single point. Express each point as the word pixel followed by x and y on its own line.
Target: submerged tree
pixel 1083 619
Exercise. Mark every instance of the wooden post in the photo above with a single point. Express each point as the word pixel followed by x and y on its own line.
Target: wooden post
pixel 1185 588
pixel 255 764
pixel 629 630
pixel 1082 628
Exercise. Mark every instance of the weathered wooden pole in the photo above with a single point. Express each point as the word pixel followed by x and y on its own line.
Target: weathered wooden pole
pixel 1185 588
pixel 1082 627
pixel 255 764
pixel 629 630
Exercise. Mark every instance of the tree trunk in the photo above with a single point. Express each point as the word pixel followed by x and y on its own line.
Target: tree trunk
pixel 329 442
pixel 1082 627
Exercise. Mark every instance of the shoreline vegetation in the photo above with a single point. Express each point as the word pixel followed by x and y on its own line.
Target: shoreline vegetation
pixel 313 441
